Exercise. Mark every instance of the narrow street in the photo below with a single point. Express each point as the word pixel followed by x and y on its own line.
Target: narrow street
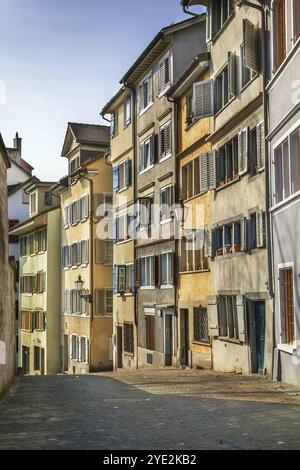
pixel 150 410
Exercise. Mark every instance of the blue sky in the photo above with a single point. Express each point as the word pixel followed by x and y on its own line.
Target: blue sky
pixel 61 60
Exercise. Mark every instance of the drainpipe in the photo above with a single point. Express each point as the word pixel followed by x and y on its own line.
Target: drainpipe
pixel 174 102
pixel 185 9
pixel 134 133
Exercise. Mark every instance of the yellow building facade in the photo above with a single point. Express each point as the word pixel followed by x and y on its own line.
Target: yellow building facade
pixel 121 109
pixel 40 282
pixel 86 251
pixel 193 245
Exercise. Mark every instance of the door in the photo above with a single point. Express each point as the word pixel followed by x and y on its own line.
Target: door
pixel 260 336
pixel 184 337
pixel 66 353
pixel 168 339
pixel 26 359
pixel 119 347
pixel 42 361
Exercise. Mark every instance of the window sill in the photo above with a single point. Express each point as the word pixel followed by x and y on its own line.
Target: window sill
pixel 230 183
pixel 220 111
pixel 285 201
pixel 189 126
pixel 222 29
pixel 126 124
pixel 230 340
pixel 249 83
pixel 84 220
pixel 167 221
pixel 287 348
pixel 189 199
pixel 145 109
pixel 164 91
pixel 113 136
pixel 230 255
pixel 167 286
pixel 146 169
pixel 201 343
pixel 147 287
pixel 128 354
pixel 199 271
pixel 163 159
pixel 123 242
pixel 122 190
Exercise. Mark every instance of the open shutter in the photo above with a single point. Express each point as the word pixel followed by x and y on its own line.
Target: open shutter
pixel 162 76
pixel 232 60
pixel 207 243
pixel 209 23
pixel 99 251
pixel 251 46
pixel 116 184
pixel 100 301
pixel 243 225
pixel 168 139
pixel 243 151
pixel 115 279
pixel 260 229
pixel 150 89
pixel 260 139
pixel 157 271
pixel 203 99
pixel 71 346
pixel 211 169
pixel 142 157
pixel 114 229
pixel 213 243
pixel 128 173
pixel 213 319
pixel 203 173
pixel 137 273
pixel 153 148
pixel 240 307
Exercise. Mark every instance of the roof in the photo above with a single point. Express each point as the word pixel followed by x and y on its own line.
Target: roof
pixel 91 134
pixel 4 152
pixel 193 67
pixel 114 99
pixel 15 187
pixel 22 168
pixel 159 44
pixel 36 183
pixel 38 221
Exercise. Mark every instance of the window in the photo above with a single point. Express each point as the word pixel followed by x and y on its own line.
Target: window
pixel 40 282
pixel 246 73
pixel 147 271
pixel 222 89
pixel 24 246
pixel 103 301
pixel 194 251
pixel 165 74
pixel 66 258
pixel 253 232
pixel 38 321
pixel 201 334
pixel 189 110
pixel 74 165
pixel 84 252
pixel 66 216
pixel 123 227
pixel 124 279
pixel 114 124
pixel 146 159
pixel 150 328
pixel 48 198
pixel 42 240
pixel 26 320
pixel 128 338
pixel 165 141
pixel 221 10
pixel 227 163
pixel 103 251
pixel 84 203
pixel 127 111
pixel 279 33
pixel 229 238
pixel 27 284
pixel 124 175
pixel 145 93
pixel 37 358
pixel 228 318
pixel 166 202
pixel 83 349
pixel 287 306
pixel 33 203
pixel 167 269
pixel 287 167
pixel 75 212
pixel 145 214
pixel 25 197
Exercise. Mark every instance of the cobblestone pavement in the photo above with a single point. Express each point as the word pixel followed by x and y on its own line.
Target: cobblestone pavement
pixel 150 410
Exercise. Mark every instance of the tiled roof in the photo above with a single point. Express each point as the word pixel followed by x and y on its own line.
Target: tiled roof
pixel 91 133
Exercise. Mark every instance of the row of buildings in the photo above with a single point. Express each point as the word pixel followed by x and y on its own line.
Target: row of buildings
pixel 169 242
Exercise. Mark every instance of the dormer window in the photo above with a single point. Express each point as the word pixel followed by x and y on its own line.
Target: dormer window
pixel 74 164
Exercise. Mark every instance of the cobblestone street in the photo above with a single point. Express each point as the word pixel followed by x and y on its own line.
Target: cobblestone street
pixel 150 410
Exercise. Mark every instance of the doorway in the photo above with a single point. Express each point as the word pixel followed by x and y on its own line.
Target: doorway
pixel 119 347
pixel 257 326
pixel 168 339
pixel 26 360
pixel 184 337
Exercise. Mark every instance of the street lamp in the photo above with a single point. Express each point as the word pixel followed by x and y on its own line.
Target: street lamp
pixel 79 287
pixel 181 212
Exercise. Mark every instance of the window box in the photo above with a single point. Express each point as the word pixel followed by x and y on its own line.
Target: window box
pixel 236 248
pixel 227 250
pixel 220 252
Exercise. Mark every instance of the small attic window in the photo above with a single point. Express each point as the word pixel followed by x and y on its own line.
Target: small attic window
pixel 74 164
pixel 48 198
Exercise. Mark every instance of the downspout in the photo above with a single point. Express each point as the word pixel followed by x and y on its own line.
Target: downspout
pixel 134 133
pixel 185 9
pixel 174 102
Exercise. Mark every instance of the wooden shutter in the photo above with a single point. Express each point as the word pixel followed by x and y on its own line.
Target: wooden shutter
pixel 260 139
pixel 115 279
pixel 296 14
pixel 251 46
pixel 207 243
pixel 162 76
pixel 150 89
pixel 168 139
pixel 99 301
pixel 203 172
pixel 209 23
pixel 157 271
pixel 243 228
pixel 99 251
pixel 153 148
pixel 232 74
pixel 203 99
pixel 243 151
pixel 137 273
pixel 142 157
pixel 211 169
pixel 84 207
pixel 260 229
pixel 128 173
pixel 240 307
pixel 213 319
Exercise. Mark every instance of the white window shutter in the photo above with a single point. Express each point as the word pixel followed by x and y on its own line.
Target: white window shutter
pixel 100 301
pixel 213 318
pixel 260 138
pixel 211 169
pixel 243 151
pixel 203 99
pixel 209 23
pixel 150 89
pixel 240 307
pixel 161 76
pixel 232 68
pixel 243 228
pixel 251 46
pixel 71 346
pixel 207 243
pixel 78 349
pixel 260 229
pixel 203 172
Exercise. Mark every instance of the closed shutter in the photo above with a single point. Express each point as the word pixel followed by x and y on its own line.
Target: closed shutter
pixel 85 252
pixel 161 77
pixel 168 138
pixel 115 280
pixel 116 183
pixel 260 139
pixel 84 207
pixel 260 229
pixel 203 173
pixel 211 169
pixel 243 228
pixel 153 148
pixel 137 273
pixel 108 301
pixel 296 14
pixel 99 301
pixel 150 89
pixel 141 97
pixel 128 173
pixel 71 346
pixel 243 151
pixel 203 99
pixel 157 270
pixel 79 210
pixel 240 307
pixel 232 61
pixel 212 312
pixel 251 45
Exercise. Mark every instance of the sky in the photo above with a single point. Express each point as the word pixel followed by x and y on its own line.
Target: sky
pixel 61 61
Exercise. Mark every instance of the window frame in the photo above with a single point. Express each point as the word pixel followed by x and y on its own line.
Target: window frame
pixel 127 107
pixel 142 83
pixel 288 347
pixel 149 283
pixel 163 218
pixel 169 284
pixel 167 85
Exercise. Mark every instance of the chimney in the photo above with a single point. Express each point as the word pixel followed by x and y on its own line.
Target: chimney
pixel 18 144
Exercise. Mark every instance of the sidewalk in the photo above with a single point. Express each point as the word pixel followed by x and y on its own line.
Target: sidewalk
pixel 208 384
